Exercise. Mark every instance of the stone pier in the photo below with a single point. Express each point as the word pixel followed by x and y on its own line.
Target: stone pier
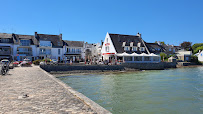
pixel 31 90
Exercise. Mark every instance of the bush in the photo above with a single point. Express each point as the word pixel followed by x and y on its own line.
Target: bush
pixel 36 62
pixel 47 60
pixel 195 59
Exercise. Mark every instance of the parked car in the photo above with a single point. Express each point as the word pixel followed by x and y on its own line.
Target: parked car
pixel 26 62
pixel 54 61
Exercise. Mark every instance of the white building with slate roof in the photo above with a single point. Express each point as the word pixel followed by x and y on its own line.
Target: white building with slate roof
pixel 126 48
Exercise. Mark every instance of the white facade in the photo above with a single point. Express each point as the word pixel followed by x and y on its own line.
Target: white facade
pixel 73 53
pixel 17 55
pixel 57 53
pixel 200 56
pixel 9 45
pixel 109 53
pixel 108 48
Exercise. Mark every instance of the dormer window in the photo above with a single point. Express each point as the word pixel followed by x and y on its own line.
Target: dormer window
pixel 123 44
pixel 131 44
pixel 4 40
pixel 24 42
pixel 127 48
pixel 45 43
pixel 134 48
pixel 139 44
pixel 142 49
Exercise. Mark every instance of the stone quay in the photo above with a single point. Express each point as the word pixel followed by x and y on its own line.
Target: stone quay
pixel 32 90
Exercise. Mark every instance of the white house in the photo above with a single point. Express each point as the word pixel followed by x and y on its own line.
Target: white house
pixel 73 50
pixel 25 46
pixel 49 46
pixel 126 48
pixel 200 56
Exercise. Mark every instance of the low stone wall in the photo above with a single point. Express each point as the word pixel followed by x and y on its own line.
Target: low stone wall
pixel 144 66
pixel 124 66
pixel 50 68
pixel 169 64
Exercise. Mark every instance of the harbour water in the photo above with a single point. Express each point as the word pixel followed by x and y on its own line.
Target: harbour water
pixel 172 91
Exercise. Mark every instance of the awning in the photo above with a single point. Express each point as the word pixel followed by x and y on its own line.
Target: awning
pixel 135 54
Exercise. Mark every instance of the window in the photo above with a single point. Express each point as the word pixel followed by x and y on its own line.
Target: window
pixel 78 50
pixel 146 58
pixel 24 49
pixel 137 58
pixel 59 51
pixel 126 48
pixel 169 49
pixel 126 58
pixel 67 50
pixel 45 43
pixel 25 42
pixel 106 39
pixel 142 49
pixel 73 50
pixel 4 40
pixel 107 48
pixel 155 58
pixel 45 51
pixel 134 48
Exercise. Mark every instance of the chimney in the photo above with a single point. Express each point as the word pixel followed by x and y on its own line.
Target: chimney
pixel 35 34
pixel 138 34
pixel 102 42
pixel 60 35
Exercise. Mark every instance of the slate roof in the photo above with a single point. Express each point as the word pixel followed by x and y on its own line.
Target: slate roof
pixel 153 46
pixel 19 37
pixel 118 40
pixel 73 43
pixel 55 39
pixel 7 36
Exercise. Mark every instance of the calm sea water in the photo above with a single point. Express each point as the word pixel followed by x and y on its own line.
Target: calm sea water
pixel 174 91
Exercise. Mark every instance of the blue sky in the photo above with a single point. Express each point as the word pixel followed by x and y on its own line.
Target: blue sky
pixel 172 21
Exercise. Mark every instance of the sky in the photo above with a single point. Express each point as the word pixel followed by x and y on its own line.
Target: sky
pixel 171 21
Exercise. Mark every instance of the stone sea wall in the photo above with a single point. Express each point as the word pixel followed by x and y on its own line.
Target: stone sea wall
pixel 124 66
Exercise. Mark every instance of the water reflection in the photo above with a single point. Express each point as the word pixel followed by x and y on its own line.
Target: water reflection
pixel 166 91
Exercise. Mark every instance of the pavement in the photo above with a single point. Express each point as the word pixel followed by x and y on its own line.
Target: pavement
pixel 29 90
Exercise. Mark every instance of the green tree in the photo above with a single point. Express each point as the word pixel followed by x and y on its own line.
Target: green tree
pixel 197 49
pixel 163 56
pixel 163 43
pixel 195 46
pixel 186 45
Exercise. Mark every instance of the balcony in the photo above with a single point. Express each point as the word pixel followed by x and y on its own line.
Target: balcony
pixel 5 52
pixel 27 53
pixel 45 53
